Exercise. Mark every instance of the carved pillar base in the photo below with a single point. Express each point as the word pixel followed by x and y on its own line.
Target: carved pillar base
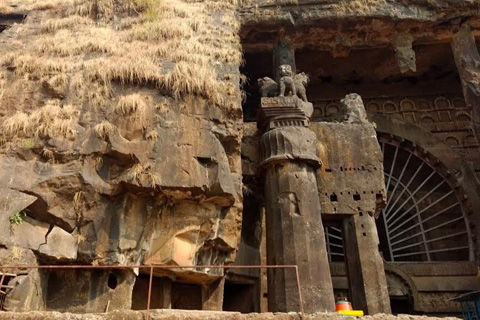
pixel 166 293
pixel 366 273
pixel 295 236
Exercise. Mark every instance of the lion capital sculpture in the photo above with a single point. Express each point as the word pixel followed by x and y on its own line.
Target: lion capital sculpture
pixel 289 84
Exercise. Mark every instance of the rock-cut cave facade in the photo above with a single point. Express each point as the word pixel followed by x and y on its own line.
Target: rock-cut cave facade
pixel 341 137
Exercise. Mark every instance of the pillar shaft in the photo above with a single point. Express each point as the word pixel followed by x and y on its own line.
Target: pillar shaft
pixel 283 53
pixel 212 295
pixel 467 60
pixel 295 236
pixel 166 293
pixel 366 273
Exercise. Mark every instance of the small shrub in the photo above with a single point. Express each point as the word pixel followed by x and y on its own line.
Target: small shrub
pixel 28 143
pixel 17 218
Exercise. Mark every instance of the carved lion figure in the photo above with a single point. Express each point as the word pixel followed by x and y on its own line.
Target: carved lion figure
pixel 290 84
pixel 301 80
pixel 268 87
pixel 287 85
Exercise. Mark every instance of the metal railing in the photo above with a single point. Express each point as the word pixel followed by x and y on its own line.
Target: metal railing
pixel 151 268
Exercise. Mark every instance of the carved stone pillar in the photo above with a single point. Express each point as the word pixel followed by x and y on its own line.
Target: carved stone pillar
pixel 212 295
pixel 365 269
pixel 295 234
pixel 467 60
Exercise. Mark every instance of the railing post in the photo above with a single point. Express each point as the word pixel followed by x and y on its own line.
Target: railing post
pixel 149 292
pixel 300 299
pixel 2 299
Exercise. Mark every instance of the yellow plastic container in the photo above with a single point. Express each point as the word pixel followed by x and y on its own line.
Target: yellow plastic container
pixel 355 313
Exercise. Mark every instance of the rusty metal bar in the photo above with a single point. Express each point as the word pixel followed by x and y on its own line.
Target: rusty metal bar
pixel 7 287
pixel 149 292
pixel 5 294
pixel 1 280
pixel 299 293
pixel 9 274
pixel 156 266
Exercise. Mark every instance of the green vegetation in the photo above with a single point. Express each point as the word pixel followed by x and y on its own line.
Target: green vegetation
pixel 17 218
pixel 28 143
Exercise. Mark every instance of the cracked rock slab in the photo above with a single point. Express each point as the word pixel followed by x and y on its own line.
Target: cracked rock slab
pixel 60 245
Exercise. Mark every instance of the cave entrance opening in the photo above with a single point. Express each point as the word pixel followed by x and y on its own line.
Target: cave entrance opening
pixel 140 293
pixel 401 305
pixel 240 297
pixel 166 294
pixel 258 64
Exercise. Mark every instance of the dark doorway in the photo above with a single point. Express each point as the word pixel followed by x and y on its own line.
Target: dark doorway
pixel 401 304
pixel 239 297
pixel 159 299
pixel 186 296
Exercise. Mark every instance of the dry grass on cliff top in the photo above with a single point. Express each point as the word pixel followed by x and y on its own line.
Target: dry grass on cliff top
pixel 84 49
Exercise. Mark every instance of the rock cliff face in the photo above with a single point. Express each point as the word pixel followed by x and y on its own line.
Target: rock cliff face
pixel 340 26
pixel 121 130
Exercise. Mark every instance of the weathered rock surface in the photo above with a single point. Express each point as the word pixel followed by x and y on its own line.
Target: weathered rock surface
pixel 105 169
pixel 59 245
pixel 119 142
pixel 339 26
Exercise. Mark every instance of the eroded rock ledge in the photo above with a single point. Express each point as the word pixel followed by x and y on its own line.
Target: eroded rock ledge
pixel 199 315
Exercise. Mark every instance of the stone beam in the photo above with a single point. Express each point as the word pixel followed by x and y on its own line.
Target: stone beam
pixel 467 60
pixel 351 35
